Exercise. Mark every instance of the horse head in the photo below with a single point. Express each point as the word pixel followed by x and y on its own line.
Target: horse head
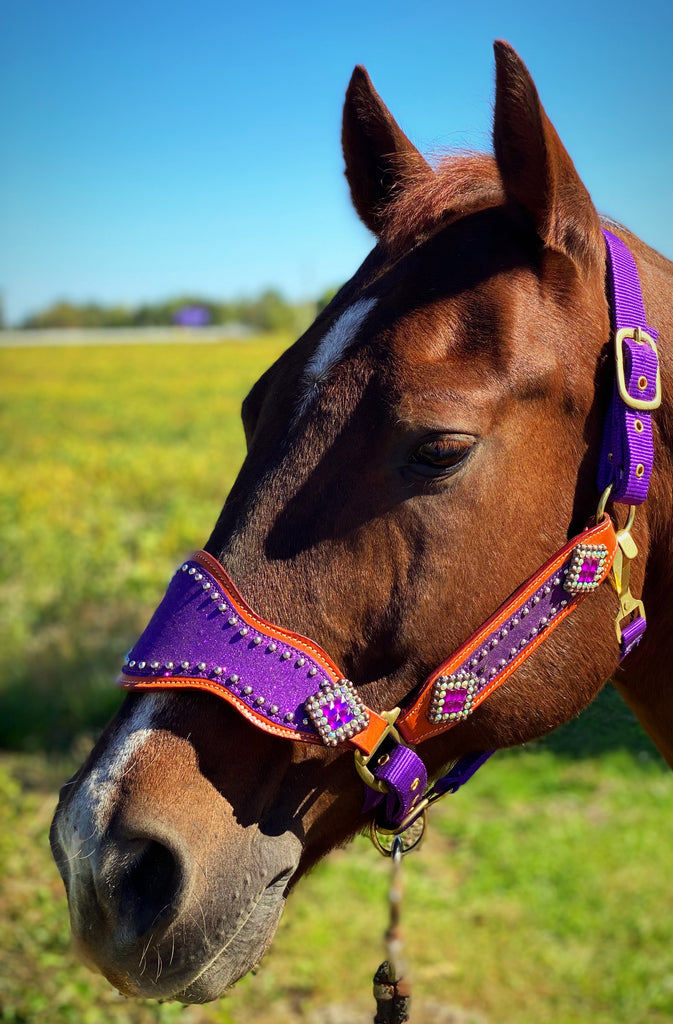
pixel 418 453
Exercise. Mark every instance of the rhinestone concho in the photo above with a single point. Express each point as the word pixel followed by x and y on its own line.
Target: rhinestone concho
pixel 452 697
pixel 586 568
pixel 337 712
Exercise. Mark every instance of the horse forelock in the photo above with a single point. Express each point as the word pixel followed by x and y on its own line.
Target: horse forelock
pixel 461 184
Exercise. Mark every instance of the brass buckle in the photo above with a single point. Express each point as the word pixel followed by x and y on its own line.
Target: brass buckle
pixel 362 760
pixel 640 336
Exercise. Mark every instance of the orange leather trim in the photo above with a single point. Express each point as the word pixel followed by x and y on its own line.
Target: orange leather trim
pixel 414 725
pixel 366 741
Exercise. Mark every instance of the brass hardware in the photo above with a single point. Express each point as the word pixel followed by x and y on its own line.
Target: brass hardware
pixel 627 550
pixel 362 760
pixel 642 383
pixel 640 470
pixel 414 784
pixel 602 502
pixel 384 758
pixel 409 836
pixel 638 424
pixel 641 337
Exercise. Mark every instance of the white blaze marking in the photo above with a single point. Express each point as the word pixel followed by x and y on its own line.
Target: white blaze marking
pixel 90 810
pixel 331 349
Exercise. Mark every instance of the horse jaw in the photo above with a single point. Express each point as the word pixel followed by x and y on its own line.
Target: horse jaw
pixel 159 915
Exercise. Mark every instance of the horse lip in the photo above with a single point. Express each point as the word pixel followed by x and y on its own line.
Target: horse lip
pixel 197 993
pixel 170 984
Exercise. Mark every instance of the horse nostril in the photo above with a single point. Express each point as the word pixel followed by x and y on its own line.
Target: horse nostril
pixel 148 885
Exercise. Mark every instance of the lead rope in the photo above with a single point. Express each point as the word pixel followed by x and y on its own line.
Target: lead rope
pixel 392 990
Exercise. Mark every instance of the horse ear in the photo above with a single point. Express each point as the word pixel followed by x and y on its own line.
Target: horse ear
pixel 379 157
pixel 535 168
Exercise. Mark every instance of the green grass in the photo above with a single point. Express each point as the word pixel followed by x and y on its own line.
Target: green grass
pixel 542 891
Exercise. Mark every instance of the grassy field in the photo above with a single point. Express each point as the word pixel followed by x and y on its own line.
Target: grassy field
pixel 542 892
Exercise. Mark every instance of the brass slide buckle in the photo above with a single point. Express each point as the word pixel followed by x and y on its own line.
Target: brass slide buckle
pixel 640 336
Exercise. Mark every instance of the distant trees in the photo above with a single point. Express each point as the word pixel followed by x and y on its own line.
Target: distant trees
pixel 268 311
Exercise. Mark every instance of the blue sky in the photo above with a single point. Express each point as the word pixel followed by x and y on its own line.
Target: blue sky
pixel 151 148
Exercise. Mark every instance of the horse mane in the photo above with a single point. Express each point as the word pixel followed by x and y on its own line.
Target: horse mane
pixel 460 184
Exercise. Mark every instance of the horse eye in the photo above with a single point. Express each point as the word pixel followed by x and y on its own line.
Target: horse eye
pixel 439 456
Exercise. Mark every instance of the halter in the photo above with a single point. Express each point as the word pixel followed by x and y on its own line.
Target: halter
pixel 205 636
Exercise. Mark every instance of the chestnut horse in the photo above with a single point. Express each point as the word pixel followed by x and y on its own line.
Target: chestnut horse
pixel 419 452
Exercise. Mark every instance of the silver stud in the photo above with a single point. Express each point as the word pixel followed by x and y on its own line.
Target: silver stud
pixel 547 590
pixel 192 571
pixel 201 666
pixel 286 655
pixel 523 642
pixel 563 603
pixel 184 664
pixel 259 701
pixel 221 607
pixel 502 663
pixel 247 690
pixel 243 631
pixel 313 670
pixel 544 620
pixel 273 710
pixel 494 672
pixel 214 596
pixel 525 611
pixel 198 575
pixel 233 678
pixel 515 622
pixel 473 663
pixel 553 611
pixel 141 664
pixel 206 585
pixel 289 717
pixel 218 671
pixel 536 599
pixel 300 662
pixel 184 567
pixel 154 664
pixel 271 647
pixel 513 652
pixel 257 640
pixel 131 664
pixel 494 642
pixel 169 665
pixel 503 634
pixel 305 721
pixel 232 620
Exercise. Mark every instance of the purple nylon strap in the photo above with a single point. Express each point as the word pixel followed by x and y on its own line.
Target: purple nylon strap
pixel 627 449
pixel 627 452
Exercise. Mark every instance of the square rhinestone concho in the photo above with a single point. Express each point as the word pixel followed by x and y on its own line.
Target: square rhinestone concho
pixel 452 697
pixel 337 712
pixel 586 568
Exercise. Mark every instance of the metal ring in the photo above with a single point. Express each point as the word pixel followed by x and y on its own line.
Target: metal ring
pixel 397 838
pixel 600 511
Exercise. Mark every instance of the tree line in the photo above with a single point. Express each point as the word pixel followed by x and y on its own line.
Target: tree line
pixel 268 311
